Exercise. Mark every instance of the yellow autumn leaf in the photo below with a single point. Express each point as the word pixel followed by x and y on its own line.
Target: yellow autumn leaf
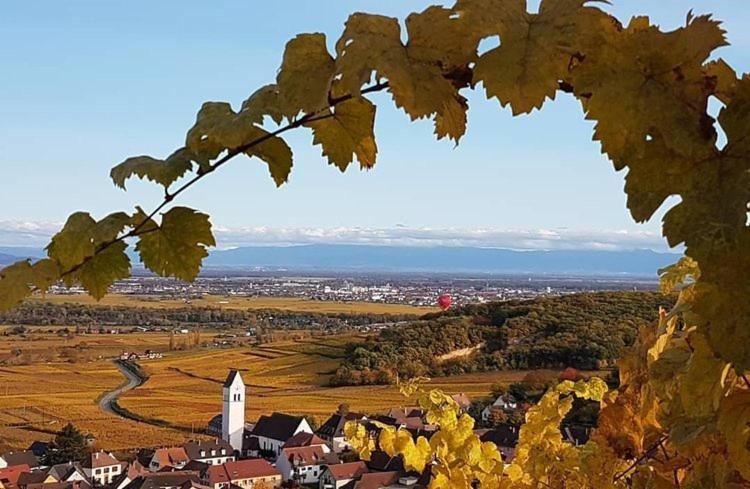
pixel 348 132
pixel 304 79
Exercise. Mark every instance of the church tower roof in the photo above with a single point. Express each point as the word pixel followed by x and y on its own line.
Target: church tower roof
pixel 233 374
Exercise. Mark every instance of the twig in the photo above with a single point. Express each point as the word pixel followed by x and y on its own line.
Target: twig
pixel 640 459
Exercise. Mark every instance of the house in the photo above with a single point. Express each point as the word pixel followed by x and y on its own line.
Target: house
pixel 506 402
pixel 60 485
pixel 245 474
pixel 336 476
pixel 9 475
pixel 39 448
pixel 175 457
pixel 167 480
pixel 332 431
pixel 304 464
pixel 131 472
pixel 274 431
pixel 24 457
pixel 305 439
pixel 215 452
pixel 101 468
pixel 463 401
pixel 35 478
pixel 68 472
pixel 505 436
pixel 377 480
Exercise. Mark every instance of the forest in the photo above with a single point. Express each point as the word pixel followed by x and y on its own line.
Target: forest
pixel 37 313
pixel 585 331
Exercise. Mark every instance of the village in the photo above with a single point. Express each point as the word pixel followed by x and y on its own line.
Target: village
pixel 278 450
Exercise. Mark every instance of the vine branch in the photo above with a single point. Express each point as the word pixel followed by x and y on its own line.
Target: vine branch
pixel 137 230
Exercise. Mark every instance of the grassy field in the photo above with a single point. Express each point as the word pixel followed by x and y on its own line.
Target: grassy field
pixel 283 303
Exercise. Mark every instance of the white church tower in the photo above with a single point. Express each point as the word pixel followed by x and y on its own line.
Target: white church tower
pixel 233 410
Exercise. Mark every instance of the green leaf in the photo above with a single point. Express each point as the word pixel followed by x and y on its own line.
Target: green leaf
pixel 74 243
pixel 348 132
pixel 163 172
pixel 178 246
pixel 305 75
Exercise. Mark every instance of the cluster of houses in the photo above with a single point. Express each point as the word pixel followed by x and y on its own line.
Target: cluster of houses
pixel 279 450
pixel 147 355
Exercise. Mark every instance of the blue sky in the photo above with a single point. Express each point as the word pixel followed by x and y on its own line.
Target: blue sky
pixel 86 84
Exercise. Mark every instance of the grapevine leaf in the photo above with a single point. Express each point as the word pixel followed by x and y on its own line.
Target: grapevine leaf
pixel 218 128
pixel 17 280
pixel 702 387
pixel 640 81
pixel 178 246
pixel 534 53
pixel 676 274
pixel 163 172
pixel 348 132
pixel 734 423
pixel 277 154
pixel 266 101
pixel 305 76
pixel 74 242
pixel 98 273
pixel 14 284
pixel 420 85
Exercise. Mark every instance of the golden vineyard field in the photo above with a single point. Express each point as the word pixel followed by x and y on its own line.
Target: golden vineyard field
pixel 184 389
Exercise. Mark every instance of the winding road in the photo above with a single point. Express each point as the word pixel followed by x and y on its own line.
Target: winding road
pixel 110 398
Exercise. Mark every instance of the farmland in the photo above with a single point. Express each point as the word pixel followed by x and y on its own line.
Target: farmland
pixel 253 303
pixel 184 390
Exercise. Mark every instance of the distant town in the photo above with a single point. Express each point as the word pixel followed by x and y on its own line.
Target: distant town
pixel 407 289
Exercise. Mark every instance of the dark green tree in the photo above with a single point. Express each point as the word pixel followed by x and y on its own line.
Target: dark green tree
pixel 69 445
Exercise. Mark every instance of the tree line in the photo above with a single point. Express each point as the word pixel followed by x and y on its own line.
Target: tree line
pixel 585 331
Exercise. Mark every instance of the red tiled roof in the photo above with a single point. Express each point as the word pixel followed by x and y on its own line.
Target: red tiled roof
pixel 171 456
pixel 100 459
pixel 351 470
pixel 376 480
pixel 9 475
pixel 314 455
pixel 304 439
pixel 241 469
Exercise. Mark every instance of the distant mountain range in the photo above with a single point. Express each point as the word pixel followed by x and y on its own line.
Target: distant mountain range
pixel 423 259
pixel 444 259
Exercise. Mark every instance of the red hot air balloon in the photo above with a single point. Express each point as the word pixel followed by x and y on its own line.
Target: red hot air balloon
pixel 444 301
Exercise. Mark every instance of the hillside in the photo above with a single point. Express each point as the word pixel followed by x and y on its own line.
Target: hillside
pixel 580 330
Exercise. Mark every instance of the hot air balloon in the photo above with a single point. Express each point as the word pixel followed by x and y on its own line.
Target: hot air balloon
pixel 444 301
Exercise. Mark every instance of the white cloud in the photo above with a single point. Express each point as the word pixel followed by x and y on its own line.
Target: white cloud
pixel 16 233
pixel 536 239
